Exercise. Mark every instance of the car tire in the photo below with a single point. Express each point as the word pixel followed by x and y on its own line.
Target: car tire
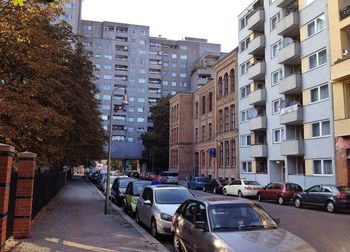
pixel 154 231
pixel 297 202
pixel 280 200
pixel 177 243
pixel 214 190
pixel 259 197
pixel 330 207
pixel 240 194
pixel 119 202
pixel 137 217
pixel 224 192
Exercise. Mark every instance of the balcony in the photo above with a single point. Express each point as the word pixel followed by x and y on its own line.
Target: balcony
pixel 289 25
pixel 284 3
pixel 290 54
pixel 258 123
pixel 291 85
pixel 292 148
pixel 292 115
pixel 256 21
pixel 257 71
pixel 258 150
pixel 257 46
pixel 258 97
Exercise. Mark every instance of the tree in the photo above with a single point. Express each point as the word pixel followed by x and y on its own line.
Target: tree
pixel 47 97
pixel 156 141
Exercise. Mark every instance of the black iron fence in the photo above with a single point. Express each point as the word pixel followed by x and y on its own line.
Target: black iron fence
pixel 46 184
pixel 12 205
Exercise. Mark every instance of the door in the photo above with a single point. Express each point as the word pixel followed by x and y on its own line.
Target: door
pixel 276 191
pixel 266 193
pixel 311 196
pixel 186 224
pixel 326 193
pixel 142 208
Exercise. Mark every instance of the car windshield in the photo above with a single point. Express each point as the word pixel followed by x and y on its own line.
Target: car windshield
pixel 238 217
pixel 345 189
pixel 124 182
pixel 172 196
pixel 138 187
pixel 112 179
pixel 200 179
pixel 250 182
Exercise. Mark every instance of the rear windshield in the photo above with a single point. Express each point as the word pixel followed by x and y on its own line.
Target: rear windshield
pixel 293 187
pixel 345 189
pixel 124 182
pixel 172 196
pixel 250 182
pixel 138 187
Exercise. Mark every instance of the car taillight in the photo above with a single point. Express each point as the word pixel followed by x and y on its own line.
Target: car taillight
pixel 340 196
pixel 221 186
pixel 248 188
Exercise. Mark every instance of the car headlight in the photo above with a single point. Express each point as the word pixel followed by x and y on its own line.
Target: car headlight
pixel 166 217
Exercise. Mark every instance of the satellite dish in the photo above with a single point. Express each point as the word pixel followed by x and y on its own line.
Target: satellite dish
pixel 252 113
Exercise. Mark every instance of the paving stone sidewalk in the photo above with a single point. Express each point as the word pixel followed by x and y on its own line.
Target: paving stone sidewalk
pixel 75 221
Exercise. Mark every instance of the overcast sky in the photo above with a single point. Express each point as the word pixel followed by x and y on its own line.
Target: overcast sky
pixel 216 21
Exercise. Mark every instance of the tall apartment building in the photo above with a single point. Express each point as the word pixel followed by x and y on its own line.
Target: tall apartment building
pixel 339 33
pixel 286 125
pixel 203 130
pixel 72 14
pixel 150 67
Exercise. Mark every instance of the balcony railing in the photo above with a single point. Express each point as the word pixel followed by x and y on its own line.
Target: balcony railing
pixel 292 115
pixel 345 12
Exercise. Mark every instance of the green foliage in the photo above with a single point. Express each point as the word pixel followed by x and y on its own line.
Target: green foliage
pixel 21 2
pixel 47 97
pixel 156 141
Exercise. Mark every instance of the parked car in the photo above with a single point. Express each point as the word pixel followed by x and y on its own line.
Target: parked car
pixel 242 188
pixel 132 193
pixel 157 204
pixel 215 185
pixel 151 176
pixel 331 197
pixel 133 174
pixel 218 223
pixel 280 192
pixel 142 175
pixel 112 178
pixel 197 182
pixel 118 189
pixel 168 177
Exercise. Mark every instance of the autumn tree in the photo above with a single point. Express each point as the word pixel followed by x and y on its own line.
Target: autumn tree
pixel 156 141
pixel 47 97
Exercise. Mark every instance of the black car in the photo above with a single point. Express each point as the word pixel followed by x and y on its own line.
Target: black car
pixel 133 174
pixel 215 185
pixel 331 197
pixel 118 189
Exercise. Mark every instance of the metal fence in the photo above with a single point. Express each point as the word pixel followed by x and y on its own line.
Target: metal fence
pixel 11 205
pixel 46 185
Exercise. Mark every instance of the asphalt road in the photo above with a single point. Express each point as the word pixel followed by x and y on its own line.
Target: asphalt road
pixel 324 231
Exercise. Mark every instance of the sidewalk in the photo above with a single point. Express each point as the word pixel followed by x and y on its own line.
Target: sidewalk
pixel 75 221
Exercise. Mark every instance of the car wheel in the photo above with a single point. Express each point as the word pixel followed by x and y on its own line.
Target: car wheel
pixel 177 243
pixel 240 194
pixel 280 200
pixel 214 190
pixel 330 207
pixel 260 197
pixel 224 192
pixel 154 231
pixel 137 217
pixel 297 202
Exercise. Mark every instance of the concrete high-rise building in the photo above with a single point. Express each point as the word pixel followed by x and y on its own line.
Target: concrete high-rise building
pixel 285 108
pixel 339 33
pixel 72 14
pixel 150 67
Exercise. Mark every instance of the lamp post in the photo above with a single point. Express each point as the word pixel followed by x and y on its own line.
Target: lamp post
pixel 124 102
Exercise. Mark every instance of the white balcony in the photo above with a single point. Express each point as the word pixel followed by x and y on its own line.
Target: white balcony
pixel 291 84
pixel 284 3
pixel 258 97
pixel 256 21
pixel 258 150
pixel 258 123
pixel 292 148
pixel 292 115
pixel 257 46
pixel 289 25
pixel 290 54
pixel 257 71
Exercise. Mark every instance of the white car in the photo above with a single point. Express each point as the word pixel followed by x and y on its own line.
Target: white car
pixel 242 188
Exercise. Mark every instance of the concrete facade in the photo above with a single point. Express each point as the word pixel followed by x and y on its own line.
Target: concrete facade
pixel 72 14
pixel 285 96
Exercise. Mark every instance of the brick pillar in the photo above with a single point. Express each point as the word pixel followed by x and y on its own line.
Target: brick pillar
pixel 6 156
pixel 24 195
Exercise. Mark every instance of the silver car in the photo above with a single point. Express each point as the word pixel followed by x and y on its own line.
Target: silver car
pixel 220 223
pixel 157 204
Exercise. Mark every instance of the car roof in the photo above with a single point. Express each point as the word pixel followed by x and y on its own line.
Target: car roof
pixel 161 186
pixel 214 200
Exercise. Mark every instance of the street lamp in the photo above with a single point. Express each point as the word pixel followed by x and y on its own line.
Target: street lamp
pixel 124 102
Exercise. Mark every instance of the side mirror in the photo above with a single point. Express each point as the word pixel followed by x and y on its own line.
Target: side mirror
pixel 201 225
pixel 147 203
pixel 277 220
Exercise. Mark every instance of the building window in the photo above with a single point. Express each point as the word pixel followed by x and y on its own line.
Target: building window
pixel 277 135
pixel 276 106
pixel 245 140
pixel 244 44
pixel 196 110
pixel 276 76
pixel 210 102
pixel 196 135
pixel 244 67
pixel 210 135
pixel 68 5
pixel 221 121
pixel 316 25
pixel 243 22
pixel 233 117
pixel 68 16
pixel 233 153
pixel 317 59
pixel 319 93
pixel 245 91
pixel 203 133
pixel 227 153
pixel 183 57
pixel 183 75
pixel 232 81
pixel 227 119
pixel 247 166
pixel 275 48
pixel 183 47
pixel 320 129
pixel 244 116
pixel 226 85
pixel 220 87
pixel 203 105
pixel 322 167
pixel 274 20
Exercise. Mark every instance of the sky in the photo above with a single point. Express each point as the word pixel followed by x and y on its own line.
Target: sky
pixel 216 21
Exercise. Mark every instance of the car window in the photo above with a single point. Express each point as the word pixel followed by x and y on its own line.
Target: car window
pixel 145 194
pixel 138 187
pixel 189 210
pixel 124 182
pixel 250 182
pixel 201 214
pixel 128 189
pixel 172 196
pixel 345 189
pixel 277 186
pixel 326 189
pixel 269 186
pixel 293 187
pixel 315 189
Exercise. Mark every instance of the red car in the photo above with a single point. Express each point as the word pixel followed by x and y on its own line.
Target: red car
pixel 280 192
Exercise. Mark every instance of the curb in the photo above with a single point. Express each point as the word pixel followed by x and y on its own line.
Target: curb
pixel 155 243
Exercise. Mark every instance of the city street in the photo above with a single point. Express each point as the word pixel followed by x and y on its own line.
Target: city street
pixel 326 232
